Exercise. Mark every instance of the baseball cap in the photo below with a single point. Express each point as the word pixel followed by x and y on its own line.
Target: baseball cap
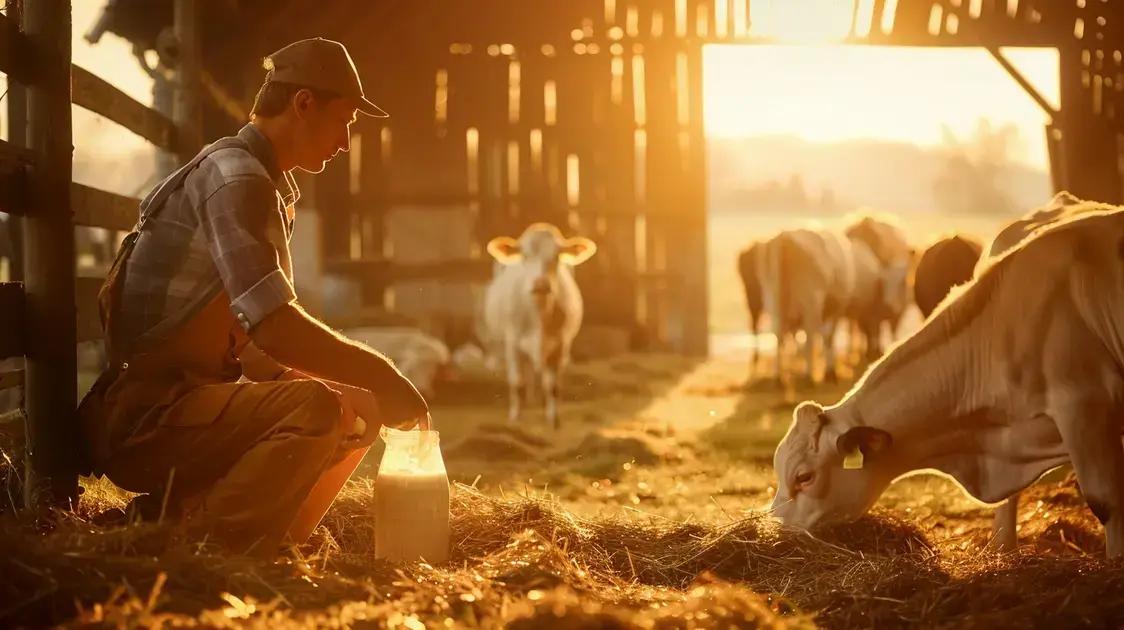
pixel 323 64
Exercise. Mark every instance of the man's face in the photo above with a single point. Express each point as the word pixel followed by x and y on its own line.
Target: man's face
pixel 323 129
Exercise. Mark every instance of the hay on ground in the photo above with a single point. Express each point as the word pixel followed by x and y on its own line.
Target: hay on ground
pixel 525 562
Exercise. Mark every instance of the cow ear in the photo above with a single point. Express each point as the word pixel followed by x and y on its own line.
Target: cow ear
pixel 505 249
pixel 577 250
pixel 861 443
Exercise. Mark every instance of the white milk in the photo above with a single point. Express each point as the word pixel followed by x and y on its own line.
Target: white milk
pixel 412 499
pixel 412 518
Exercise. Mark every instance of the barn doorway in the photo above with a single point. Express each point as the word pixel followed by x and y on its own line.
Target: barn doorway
pixel 943 138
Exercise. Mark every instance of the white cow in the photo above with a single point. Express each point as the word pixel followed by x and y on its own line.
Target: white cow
pixel 1061 207
pixel 807 279
pixel 533 309
pixel 1020 373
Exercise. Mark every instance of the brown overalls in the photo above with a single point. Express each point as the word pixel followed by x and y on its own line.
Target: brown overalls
pixel 245 464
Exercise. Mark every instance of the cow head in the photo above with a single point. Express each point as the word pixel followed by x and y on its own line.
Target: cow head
pixel 827 471
pixel 541 250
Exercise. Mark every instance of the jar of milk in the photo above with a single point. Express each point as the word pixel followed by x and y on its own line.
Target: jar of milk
pixel 412 498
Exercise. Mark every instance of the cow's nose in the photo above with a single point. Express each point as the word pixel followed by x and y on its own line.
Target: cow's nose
pixel 541 286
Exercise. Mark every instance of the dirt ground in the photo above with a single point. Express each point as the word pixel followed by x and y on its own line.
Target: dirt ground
pixel 642 512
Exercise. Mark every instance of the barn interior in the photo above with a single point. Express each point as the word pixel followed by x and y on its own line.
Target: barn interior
pixel 587 114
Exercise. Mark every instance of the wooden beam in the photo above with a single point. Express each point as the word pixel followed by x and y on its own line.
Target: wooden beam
pixel 98 208
pixel 97 95
pixel 1026 85
pixel 17 136
pixel 1090 151
pixel 88 321
pixel 16 57
pixel 49 333
pixel 469 270
pixel 189 115
pixel 11 319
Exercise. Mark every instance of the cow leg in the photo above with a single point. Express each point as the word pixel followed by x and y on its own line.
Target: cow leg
pixel 1004 536
pixel 778 378
pixel 813 326
pixel 550 388
pixel 515 384
pixel 752 347
pixel 1093 443
pixel 828 330
pixel 872 330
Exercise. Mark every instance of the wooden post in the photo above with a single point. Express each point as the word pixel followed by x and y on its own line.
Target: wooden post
pixel 693 265
pixel 51 372
pixel 1089 146
pixel 188 115
pixel 17 135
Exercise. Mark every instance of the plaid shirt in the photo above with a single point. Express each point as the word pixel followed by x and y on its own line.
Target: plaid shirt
pixel 228 227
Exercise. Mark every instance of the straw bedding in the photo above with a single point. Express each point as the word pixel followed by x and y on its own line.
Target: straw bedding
pixel 525 562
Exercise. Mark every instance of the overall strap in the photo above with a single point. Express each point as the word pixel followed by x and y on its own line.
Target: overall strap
pixel 155 201
pixel 109 296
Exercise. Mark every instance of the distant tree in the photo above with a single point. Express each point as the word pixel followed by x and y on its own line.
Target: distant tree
pixel 827 198
pixel 971 178
pixel 797 194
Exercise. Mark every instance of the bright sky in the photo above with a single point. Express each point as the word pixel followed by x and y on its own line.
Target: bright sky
pixel 833 93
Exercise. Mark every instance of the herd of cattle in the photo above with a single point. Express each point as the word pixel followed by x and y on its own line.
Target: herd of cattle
pixel 1018 371
pixel 811 281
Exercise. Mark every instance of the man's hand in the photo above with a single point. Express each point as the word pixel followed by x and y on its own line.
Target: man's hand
pixel 295 339
pixel 358 402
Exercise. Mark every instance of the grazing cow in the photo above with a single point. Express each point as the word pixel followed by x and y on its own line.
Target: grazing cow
pixel 751 281
pixel 533 309
pixel 888 243
pixel 1061 207
pixel 1021 372
pixel 883 237
pixel 807 278
pixel 945 264
pixel 880 295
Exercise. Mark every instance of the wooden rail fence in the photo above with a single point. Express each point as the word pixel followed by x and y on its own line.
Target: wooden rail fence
pixel 45 316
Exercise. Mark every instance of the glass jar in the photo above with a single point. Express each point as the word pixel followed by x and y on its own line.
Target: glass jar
pixel 412 498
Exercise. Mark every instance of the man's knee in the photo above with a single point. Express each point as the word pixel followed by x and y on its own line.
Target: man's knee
pixel 319 409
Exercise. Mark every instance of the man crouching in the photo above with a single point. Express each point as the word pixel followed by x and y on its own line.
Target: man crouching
pixel 201 294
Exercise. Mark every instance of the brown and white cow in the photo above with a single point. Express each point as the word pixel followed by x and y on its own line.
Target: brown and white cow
pixel 807 279
pixel 1021 372
pixel 886 240
pixel 533 309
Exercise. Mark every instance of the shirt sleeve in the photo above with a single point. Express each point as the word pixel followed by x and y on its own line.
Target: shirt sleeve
pixel 241 222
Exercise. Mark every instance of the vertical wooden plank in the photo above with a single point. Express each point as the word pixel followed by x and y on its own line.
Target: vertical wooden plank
pixel 692 259
pixel 17 131
pixel 51 396
pixel 188 114
pixel 1089 144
